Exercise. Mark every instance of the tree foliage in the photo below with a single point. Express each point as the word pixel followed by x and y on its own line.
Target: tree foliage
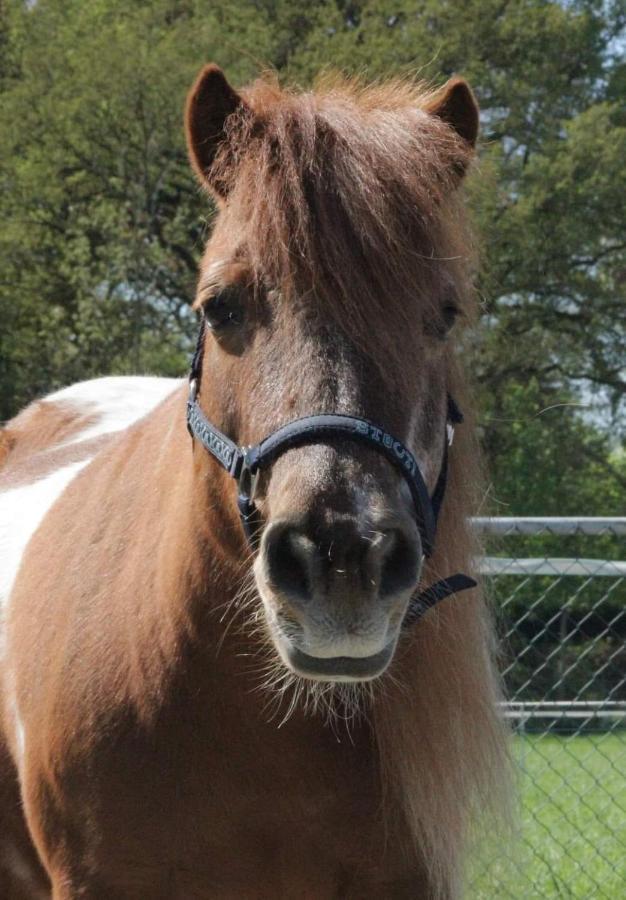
pixel 101 223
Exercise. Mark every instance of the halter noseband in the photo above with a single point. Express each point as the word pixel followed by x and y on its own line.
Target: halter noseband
pixel 245 464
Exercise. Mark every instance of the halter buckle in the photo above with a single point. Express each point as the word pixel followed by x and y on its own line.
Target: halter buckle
pixel 193 390
pixel 248 478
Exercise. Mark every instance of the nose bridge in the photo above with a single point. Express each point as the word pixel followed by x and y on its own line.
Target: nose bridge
pixel 330 373
pixel 335 484
pixel 325 370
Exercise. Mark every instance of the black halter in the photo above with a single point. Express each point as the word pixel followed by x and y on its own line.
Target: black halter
pixel 245 464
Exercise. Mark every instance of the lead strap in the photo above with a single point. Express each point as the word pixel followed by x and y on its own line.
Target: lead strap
pixel 425 600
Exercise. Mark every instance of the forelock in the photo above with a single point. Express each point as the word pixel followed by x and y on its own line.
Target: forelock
pixel 347 191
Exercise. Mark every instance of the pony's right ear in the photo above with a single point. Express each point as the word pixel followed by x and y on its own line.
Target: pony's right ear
pixel 210 102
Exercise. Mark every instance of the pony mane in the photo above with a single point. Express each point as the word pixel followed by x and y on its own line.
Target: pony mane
pixel 443 744
pixel 348 191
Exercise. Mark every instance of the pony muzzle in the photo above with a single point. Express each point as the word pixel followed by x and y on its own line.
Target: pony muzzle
pixel 335 602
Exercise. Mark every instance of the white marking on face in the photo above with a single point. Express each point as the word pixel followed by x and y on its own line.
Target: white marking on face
pixel 116 402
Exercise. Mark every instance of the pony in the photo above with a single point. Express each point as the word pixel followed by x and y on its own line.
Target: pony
pixel 189 713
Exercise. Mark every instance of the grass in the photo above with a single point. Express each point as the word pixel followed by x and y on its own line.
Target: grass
pixel 572 840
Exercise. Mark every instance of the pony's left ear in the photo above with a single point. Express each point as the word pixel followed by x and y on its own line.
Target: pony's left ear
pixel 456 105
pixel 210 102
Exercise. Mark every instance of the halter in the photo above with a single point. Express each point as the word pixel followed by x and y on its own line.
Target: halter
pixel 246 463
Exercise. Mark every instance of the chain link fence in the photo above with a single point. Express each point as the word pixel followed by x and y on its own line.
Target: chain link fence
pixel 559 589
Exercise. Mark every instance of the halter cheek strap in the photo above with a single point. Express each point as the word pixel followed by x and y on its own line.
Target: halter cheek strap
pixel 245 464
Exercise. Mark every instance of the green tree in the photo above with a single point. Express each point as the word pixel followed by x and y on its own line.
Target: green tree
pixel 101 223
pixel 550 187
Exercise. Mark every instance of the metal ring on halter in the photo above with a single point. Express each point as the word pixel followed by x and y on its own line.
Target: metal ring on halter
pixel 248 477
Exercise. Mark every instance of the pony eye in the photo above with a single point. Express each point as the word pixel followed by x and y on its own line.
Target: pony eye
pixel 442 321
pixel 224 310
pixel 449 313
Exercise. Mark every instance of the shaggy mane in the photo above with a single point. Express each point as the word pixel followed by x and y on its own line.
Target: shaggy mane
pixel 350 192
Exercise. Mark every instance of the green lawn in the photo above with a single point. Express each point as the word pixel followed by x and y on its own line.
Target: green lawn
pixel 573 813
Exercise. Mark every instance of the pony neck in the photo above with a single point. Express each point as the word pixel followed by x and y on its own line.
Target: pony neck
pixel 203 548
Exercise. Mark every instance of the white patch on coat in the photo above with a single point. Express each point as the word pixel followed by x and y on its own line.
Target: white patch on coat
pixel 116 402
pixel 22 510
pixel 110 405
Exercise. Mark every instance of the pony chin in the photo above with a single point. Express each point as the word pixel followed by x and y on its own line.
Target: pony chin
pixel 333 669
pixel 339 661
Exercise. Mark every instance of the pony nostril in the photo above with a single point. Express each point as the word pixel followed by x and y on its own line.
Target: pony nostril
pixel 400 564
pixel 298 569
pixel 289 555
